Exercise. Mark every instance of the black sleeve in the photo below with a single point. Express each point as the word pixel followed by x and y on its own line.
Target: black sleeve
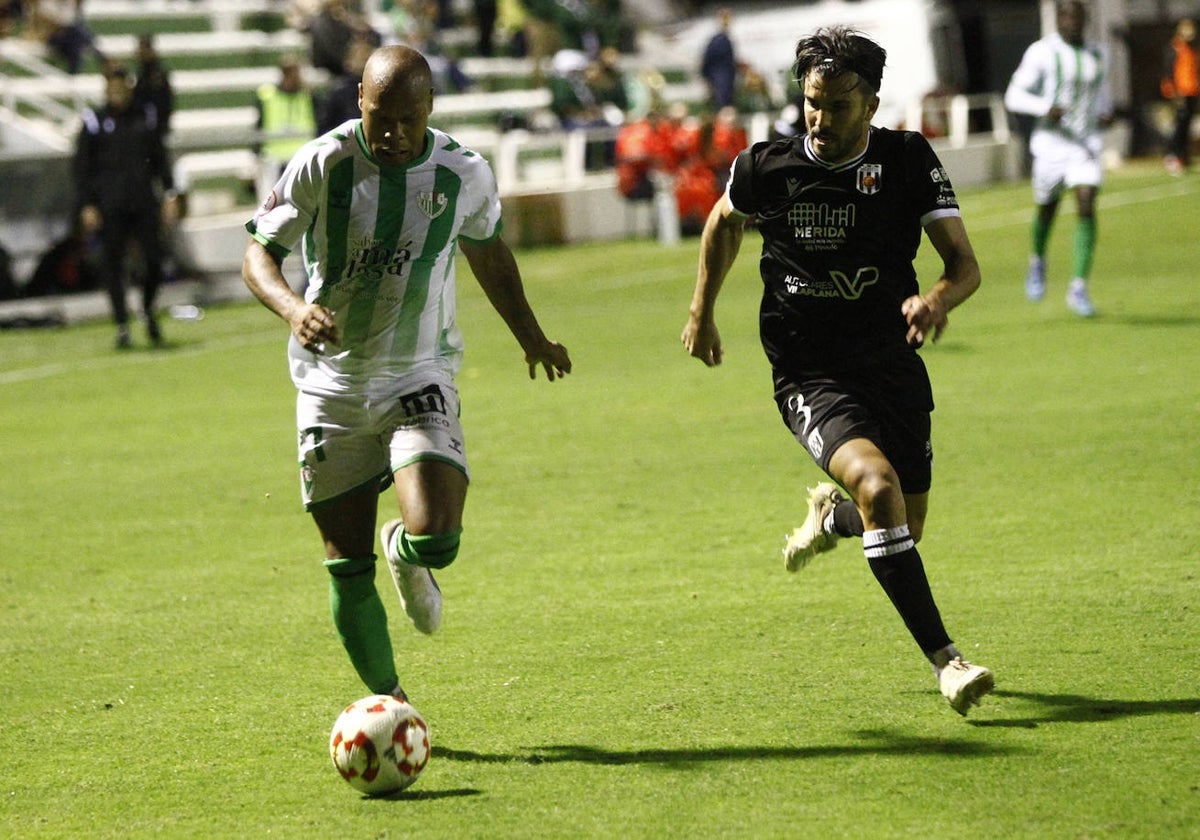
pixel 741 178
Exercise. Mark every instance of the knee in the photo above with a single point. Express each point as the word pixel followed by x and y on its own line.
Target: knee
pixel 876 491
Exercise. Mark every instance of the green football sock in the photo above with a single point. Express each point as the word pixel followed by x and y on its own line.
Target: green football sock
pixel 1041 235
pixel 1085 246
pixel 361 621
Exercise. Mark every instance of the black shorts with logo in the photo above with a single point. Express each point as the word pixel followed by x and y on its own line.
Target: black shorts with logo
pixel 888 403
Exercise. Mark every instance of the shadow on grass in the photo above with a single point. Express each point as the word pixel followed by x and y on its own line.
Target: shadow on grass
pixel 877 742
pixel 1073 708
pixel 427 795
pixel 1151 321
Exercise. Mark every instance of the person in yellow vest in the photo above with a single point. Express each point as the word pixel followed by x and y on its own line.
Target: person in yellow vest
pixel 286 121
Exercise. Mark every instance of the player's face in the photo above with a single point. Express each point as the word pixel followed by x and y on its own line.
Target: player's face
pixel 1070 19
pixel 838 112
pixel 395 119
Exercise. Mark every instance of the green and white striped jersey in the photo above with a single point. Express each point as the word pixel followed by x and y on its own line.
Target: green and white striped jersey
pixel 378 245
pixel 1055 73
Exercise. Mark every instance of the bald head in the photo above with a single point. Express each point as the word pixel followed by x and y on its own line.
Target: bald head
pixel 396 98
pixel 398 66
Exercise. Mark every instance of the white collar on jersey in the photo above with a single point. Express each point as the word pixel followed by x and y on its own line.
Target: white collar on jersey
pixel 811 154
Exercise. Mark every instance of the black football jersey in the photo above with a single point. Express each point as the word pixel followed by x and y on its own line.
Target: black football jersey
pixel 838 244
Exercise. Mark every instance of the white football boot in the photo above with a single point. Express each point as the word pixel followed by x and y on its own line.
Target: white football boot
pixel 811 538
pixel 1078 300
pixel 962 683
pixel 1035 280
pixel 419 593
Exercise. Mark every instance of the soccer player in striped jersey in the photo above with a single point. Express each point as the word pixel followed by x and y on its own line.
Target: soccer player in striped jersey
pixel 841 209
pixel 380 206
pixel 1063 82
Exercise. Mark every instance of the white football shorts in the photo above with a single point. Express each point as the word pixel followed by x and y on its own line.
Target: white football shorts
pixel 349 441
pixel 1060 164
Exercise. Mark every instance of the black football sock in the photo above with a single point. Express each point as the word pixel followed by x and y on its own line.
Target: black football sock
pixel 847 521
pixel 897 566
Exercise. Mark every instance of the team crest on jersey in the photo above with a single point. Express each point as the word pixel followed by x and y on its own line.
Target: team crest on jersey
pixel 869 177
pixel 433 203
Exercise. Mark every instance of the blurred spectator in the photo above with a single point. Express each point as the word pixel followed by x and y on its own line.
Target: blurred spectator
pixel 70 265
pixel 690 157
pixel 341 102
pixel 121 177
pixel 153 85
pixel 415 24
pixel 286 121
pixel 485 26
pixel 588 95
pixel 706 151
pixel 332 31
pixel 567 24
pixel 753 94
pixel 607 81
pixel 1181 87
pixel 11 14
pixel 511 20
pixel 443 13
pixel 61 26
pixel 728 141
pixel 543 35
pixel 718 65
pixel 643 148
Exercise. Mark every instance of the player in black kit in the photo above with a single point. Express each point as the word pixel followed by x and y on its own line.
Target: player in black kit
pixel 122 176
pixel 841 209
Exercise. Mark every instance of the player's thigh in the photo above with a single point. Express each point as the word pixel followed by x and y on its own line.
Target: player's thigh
pixel 1083 170
pixel 428 455
pixel 1048 178
pixel 340 451
pixel 347 522
pixel 822 415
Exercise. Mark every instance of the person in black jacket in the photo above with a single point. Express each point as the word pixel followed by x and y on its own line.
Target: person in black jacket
pixel 153 85
pixel 122 176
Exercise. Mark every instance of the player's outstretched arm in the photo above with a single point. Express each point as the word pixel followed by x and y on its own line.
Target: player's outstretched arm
pixel 496 269
pixel 312 324
pixel 719 245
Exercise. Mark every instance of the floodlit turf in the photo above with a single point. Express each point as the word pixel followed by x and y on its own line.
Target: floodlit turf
pixel 623 654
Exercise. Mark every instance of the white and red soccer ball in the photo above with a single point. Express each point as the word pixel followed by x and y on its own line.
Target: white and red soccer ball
pixel 379 744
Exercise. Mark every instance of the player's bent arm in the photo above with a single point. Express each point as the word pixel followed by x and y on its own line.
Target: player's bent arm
pixel 1024 92
pixel 960 269
pixel 720 242
pixel 959 280
pixel 495 268
pixel 311 323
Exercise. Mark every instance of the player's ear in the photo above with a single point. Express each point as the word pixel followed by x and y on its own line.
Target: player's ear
pixel 872 107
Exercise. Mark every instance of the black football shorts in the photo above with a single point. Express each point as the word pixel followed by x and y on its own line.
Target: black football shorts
pixel 887 404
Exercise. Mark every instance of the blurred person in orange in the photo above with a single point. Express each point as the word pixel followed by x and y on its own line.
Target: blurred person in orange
pixel 1181 87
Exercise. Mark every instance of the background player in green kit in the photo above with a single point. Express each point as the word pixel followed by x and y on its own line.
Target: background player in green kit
pixel 841 209
pixel 381 204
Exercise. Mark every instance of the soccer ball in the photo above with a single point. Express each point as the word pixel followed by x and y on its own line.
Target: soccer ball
pixel 379 744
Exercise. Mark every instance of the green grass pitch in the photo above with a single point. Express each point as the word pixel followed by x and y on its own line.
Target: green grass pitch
pixel 623 654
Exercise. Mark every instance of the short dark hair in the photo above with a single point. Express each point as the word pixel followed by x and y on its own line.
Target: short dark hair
pixel 838 50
